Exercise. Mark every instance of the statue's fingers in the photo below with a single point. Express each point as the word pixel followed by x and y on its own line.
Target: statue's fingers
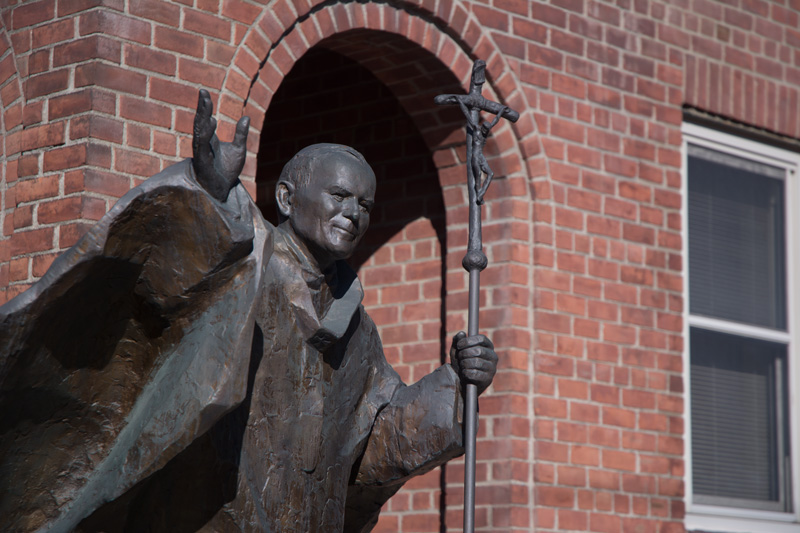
pixel 474 340
pixel 478 363
pixel 454 348
pixel 214 142
pixel 202 142
pixel 477 377
pixel 242 128
pixel 457 338
pixel 204 123
pixel 204 104
pixel 465 354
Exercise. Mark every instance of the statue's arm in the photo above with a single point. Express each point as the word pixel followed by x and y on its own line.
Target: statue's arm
pixel 419 430
pixel 191 217
pixel 217 165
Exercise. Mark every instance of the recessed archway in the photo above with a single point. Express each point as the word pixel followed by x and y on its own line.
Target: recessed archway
pixel 329 97
pixel 411 54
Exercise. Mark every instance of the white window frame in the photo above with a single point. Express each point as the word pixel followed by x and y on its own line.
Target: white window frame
pixel 731 519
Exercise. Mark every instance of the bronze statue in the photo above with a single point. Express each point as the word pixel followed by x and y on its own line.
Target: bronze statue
pixel 189 367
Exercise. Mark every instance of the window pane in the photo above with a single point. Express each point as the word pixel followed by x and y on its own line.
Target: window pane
pixel 739 447
pixel 736 239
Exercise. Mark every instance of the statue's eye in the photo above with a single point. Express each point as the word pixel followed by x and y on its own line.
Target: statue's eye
pixel 338 197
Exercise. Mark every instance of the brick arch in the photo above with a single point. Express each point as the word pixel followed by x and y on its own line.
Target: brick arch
pixel 10 126
pixel 449 37
pixel 448 31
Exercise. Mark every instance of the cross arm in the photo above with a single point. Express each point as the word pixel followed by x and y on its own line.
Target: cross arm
pixel 473 101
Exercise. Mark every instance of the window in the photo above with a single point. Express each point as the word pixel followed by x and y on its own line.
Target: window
pixel 740 200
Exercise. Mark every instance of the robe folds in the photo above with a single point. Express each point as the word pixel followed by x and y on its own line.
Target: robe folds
pixel 185 368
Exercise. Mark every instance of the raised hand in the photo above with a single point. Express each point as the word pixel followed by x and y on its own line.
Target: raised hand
pixel 474 359
pixel 216 164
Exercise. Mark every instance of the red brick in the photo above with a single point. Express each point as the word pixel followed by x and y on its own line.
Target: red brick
pixel 137 163
pixel 36 240
pixel 156 11
pixel 613 416
pixel 571 476
pixel 240 11
pixel 568 432
pixel 45 84
pixel 70 7
pixel 491 18
pixel 555 496
pixel 147 112
pixel 566 42
pixel 72 208
pixel 604 523
pixel 138 136
pixel 550 408
pixel 119 25
pixel 54 32
pixel 206 24
pixel 529 29
pixel 100 182
pixel 199 72
pixel 604 480
pixel 585 455
pixel 27 166
pixel 23 217
pixel 32 13
pixel 116 78
pixel 70 234
pixel 8 68
pixel 87 48
pixel 568 85
pixel 141 57
pixel 43 136
pixel 18 269
pixel 178 41
pixel 64 158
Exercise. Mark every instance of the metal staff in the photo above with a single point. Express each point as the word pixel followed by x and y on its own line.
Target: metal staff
pixel 475 260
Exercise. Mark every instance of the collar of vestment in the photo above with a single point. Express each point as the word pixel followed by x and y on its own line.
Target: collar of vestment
pixel 340 291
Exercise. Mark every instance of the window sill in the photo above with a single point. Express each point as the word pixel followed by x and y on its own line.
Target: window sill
pixel 732 520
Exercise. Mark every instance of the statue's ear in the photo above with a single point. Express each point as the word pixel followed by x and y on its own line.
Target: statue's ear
pixel 284 196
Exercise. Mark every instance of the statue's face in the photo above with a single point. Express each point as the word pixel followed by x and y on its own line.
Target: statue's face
pixel 330 213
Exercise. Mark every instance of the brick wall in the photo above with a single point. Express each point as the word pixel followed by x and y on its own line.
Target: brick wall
pixel 583 297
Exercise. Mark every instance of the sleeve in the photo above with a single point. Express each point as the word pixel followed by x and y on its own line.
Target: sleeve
pixel 418 430
pixel 132 344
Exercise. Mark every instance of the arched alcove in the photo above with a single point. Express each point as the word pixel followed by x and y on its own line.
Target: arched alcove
pixel 361 90
pixel 412 58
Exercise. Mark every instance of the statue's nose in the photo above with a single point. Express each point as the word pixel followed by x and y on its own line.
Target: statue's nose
pixel 351 209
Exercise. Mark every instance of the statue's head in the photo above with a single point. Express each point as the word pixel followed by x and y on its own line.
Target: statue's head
pixel 325 194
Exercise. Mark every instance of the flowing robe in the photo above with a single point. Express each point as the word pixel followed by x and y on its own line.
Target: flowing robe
pixel 184 368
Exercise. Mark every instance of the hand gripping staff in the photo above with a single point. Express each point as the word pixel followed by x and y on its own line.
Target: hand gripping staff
pixel 475 260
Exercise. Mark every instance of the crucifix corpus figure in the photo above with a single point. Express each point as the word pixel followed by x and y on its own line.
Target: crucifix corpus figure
pixel 478 161
pixel 475 260
pixel 187 366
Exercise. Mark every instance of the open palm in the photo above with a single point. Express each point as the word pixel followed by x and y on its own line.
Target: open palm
pixel 216 164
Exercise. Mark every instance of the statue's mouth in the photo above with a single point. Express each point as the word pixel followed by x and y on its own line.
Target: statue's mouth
pixel 347 232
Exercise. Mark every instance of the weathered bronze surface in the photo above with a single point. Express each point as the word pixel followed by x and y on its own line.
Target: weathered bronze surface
pixel 189 367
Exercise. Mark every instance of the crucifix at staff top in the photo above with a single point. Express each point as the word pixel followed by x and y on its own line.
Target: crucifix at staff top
pixel 475 260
